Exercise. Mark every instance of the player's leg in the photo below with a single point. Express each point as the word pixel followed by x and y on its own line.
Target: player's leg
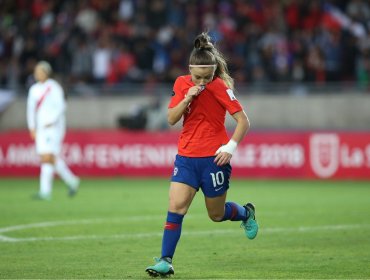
pixel 219 211
pixel 215 183
pixel 184 185
pixel 71 180
pixel 61 168
pixel 46 176
pixel 45 148
pixel 180 198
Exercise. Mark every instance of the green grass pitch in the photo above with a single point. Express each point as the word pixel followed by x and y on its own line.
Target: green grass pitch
pixel 113 228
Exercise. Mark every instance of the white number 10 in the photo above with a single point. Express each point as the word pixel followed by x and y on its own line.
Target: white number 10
pixel 218 178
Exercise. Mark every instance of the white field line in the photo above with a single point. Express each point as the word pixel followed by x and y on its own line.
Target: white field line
pixel 235 231
pixel 78 222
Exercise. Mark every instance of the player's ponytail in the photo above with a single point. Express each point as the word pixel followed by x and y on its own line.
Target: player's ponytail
pixel 205 53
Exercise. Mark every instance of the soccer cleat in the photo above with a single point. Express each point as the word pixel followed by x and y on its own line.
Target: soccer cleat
pixel 72 192
pixel 72 189
pixel 162 268
pixel 39 196
pixel 250 225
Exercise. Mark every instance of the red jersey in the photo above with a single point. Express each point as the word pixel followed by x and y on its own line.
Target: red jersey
pixel 204 120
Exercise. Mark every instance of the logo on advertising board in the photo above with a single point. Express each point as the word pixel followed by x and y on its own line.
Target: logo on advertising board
pixel 324 154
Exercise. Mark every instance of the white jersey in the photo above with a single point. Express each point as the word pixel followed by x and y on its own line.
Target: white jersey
pixel 46 108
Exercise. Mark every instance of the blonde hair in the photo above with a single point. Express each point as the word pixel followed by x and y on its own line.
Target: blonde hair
pixel 205 53
pixel 45 66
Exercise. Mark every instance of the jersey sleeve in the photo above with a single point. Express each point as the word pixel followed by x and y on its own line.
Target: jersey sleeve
pixel 227 98
pixel 177 94
pixel 31 109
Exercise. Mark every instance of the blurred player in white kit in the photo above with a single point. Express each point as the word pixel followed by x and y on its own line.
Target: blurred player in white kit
pixel 46 107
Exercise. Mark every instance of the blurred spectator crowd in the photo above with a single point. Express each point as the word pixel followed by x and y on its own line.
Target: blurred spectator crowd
pixel 112 42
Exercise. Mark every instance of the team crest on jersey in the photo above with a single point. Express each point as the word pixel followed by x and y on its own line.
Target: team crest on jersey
pixel 230 92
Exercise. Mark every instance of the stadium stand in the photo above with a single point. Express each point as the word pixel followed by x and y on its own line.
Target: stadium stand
pixel 114 42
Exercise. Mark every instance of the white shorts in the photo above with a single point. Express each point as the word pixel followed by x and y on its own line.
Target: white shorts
pixel 49 141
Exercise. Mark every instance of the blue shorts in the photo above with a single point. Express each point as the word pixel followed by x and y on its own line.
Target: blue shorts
pixel 202 173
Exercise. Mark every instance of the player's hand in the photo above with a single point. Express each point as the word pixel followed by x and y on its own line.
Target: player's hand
pixel 32 134
pixel 193 92
pixel 222 158
pixel 225 153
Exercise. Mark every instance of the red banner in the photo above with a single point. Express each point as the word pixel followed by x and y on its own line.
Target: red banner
pixel 309 155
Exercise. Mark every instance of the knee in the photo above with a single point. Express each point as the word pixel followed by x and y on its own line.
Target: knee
pixel 216 217
pixel 178 208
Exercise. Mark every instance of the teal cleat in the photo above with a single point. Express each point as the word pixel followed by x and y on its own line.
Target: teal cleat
pixel 162 268
pixel 250 225
pixel 39 196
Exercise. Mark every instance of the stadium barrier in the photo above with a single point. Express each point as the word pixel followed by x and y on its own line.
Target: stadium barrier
pixel 306 155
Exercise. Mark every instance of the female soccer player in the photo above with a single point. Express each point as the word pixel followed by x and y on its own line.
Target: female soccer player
pixel 204 149
pixel 46 122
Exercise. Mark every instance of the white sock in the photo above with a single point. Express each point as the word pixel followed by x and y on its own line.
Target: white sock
pixel 46 179
pixel 65 173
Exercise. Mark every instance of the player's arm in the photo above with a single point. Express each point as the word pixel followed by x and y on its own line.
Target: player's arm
pixel 31 117
pixel 175 113
pixel 242 126
pixel 224 153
